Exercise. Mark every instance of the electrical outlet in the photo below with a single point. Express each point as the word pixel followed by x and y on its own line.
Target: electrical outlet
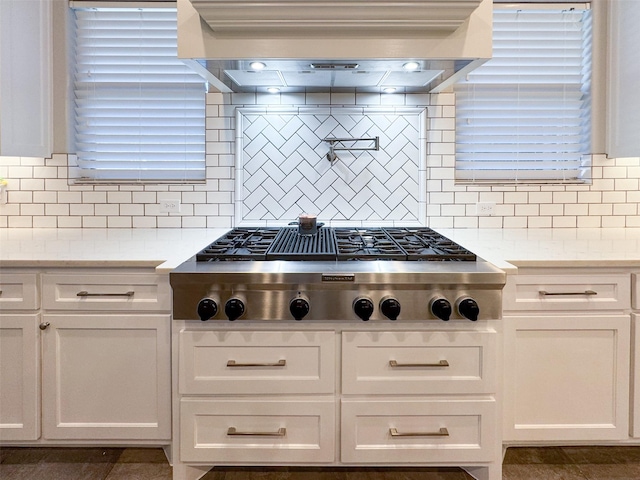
pixel 170 206
pixel 485 209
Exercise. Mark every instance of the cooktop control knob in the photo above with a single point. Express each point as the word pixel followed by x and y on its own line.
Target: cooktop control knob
pixel 468 308
pixel 207 308
pixel 299 307
pixel 363 307
pixel 441 308
pixel 234 308
pixel 390 307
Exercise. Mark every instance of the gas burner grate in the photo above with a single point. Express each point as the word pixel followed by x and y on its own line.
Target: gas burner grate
pixel 425 244
pixel 366 244
pixel 289 245
pixel 240 244
pixel 256 243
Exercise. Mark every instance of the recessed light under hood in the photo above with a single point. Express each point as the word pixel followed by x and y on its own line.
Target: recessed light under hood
pixel 362 46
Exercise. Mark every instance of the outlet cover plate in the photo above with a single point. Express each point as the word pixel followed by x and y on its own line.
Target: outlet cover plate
pixel 170 206
pixel 485 209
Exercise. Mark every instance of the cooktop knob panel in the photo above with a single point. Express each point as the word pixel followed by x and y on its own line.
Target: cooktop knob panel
pixel 441 308
pixel 390 307
pixel 299 307
pixel 363 307
pixel 207 308
pixel 234 308
pixel 468 308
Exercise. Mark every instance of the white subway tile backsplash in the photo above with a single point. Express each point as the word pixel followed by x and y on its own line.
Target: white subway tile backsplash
pixel 32 209
pixel 144 222
pixel 361 188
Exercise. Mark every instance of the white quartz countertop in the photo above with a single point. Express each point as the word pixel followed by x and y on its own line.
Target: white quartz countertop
pixel 162 248
pixel 560 247
pixel 167 248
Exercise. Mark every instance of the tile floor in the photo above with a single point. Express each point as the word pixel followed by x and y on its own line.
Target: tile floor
pixel 548 463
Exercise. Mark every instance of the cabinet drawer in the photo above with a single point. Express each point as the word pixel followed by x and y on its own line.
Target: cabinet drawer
pixel 266 431
pixel 265 362
pixel 567 292
pixel 418 362
pixel 407 431
pixel 19 292
pixel 125 292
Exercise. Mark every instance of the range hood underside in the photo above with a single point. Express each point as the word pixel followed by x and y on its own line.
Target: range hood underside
pixel 301 76
pixel 319 45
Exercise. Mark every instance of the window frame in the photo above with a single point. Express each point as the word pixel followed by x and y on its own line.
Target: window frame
pixel 598 93
pixel 74 176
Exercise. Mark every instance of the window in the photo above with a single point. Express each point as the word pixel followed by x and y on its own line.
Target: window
pixel 525 115
pixel 139 110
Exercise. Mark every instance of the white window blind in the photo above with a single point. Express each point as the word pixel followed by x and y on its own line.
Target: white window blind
pixel 525 115
pixel 139 110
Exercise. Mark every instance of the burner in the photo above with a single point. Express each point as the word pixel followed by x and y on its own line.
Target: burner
pixel 240 244
pixel 366 244
pixel 425 244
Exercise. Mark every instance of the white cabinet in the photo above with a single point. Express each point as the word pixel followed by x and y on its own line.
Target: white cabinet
pixel 419 396
pixel 418 430
pixel 336 396
pixel 19 377
pixel 264 372
pixel 427 363
pixel 92 364
pixel 566 356
pixel 623 103
pixel 258 430
pixel 26 78
pixel 105 376
pixel 19 356
pixel 635 359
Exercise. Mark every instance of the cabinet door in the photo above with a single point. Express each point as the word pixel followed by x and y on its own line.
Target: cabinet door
pixel 566 378
pixel 25 77
pixel 635 398
pixel 622 79
pixel 106 377
pixel 19 377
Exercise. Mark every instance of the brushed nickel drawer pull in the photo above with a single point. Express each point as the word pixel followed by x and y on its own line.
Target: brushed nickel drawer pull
pixel 279 363
pixel 395 364
pixel 84 293
pixel 232 432
pixel 549 294
pixel 443 432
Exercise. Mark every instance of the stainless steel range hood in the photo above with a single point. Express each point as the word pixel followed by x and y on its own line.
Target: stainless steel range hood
pixel 316 45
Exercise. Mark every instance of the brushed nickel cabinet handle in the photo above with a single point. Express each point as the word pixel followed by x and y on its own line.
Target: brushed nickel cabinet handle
pixel 443 432
pixel 44 325
pixel 549 294
pixel 279 363
pixel 84 293
pixel 395 364
pixel 232 432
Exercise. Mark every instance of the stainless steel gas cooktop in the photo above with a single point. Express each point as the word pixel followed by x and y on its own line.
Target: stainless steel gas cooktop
pixel 344 274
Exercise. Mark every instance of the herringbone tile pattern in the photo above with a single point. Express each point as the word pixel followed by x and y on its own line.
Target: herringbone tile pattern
pixel 284 170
